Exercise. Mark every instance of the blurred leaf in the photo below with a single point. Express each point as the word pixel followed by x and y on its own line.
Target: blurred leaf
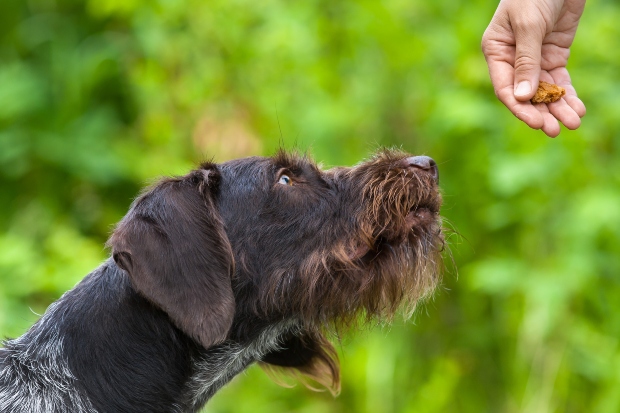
pixel 99 98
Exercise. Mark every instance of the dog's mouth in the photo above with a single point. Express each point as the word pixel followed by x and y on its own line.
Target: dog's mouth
pixel 387 250
pixel 422 214
pixel 420 219
pixel 402 202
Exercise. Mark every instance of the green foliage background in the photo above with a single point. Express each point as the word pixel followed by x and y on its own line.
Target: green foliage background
pixel 99 97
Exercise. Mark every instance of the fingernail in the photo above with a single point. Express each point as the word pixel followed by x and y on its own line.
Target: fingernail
pixel 523 88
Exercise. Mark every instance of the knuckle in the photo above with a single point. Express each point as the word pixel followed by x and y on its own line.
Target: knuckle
pixel 526 64
pixel 527 21
pixel 504 95
pixel 525 25
pixel 528 26
pixel 484 45
pixel 486 42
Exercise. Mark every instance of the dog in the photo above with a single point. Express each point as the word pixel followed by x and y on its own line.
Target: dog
pixel 253 260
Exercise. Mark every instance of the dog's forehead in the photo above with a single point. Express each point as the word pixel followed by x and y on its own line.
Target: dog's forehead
pixel 258 168
pixel 245 166
pixel 295 161
pixel 250 186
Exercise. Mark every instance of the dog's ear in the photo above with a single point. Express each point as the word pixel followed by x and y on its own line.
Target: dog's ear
pixel 173 245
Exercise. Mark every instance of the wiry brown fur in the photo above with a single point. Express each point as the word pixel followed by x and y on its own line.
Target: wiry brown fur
pixel 400 263
pixel 386 259
pixel 251 260
pixel 332 249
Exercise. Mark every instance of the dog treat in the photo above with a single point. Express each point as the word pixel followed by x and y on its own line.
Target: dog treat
pixel 548 92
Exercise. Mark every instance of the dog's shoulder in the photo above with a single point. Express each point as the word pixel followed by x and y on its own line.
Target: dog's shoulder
pixel 91 351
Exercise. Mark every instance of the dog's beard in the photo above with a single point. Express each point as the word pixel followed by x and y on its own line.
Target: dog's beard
pixel 401 228
pixel 390 260
pixel 400 239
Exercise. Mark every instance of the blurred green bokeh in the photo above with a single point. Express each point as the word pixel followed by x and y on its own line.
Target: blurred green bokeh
pixel 99 97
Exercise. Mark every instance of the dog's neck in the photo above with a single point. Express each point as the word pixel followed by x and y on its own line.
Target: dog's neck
pixel 101 341
pixel 220 364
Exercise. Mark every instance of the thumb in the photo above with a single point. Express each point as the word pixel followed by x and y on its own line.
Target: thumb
pixel 527 60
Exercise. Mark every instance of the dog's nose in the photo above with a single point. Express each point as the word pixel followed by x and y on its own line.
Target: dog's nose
pixel 426 163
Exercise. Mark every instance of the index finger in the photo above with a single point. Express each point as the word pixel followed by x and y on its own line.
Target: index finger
pixel 502 77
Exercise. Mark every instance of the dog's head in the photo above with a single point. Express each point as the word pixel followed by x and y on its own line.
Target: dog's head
pixel 325 245
pixel 259 240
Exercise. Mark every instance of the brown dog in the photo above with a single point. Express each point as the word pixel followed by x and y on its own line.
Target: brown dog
pixel 249 260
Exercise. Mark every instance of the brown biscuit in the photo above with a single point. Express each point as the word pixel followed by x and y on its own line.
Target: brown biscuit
pixel 547 93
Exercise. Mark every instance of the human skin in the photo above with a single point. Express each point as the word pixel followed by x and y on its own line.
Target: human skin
pixel 527 41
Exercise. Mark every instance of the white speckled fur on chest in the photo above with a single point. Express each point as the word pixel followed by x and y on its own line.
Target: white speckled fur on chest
pixel 229 359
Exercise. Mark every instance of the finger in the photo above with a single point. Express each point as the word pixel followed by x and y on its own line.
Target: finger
pixel 499 56
pixel 576 104
pixel 561 77
pixel 551 126
pixel 524 111
pixel 565 114
pixel 501 73
pixel 560 109
pixel 529 34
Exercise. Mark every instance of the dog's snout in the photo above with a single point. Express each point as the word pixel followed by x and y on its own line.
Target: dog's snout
pixel 425 163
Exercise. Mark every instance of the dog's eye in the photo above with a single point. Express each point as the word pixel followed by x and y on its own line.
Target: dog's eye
pixel 285 180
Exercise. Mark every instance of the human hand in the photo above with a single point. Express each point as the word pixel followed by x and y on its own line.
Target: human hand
pixel 528 41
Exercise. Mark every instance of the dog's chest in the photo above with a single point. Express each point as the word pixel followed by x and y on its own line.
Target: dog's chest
pixel 223 362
